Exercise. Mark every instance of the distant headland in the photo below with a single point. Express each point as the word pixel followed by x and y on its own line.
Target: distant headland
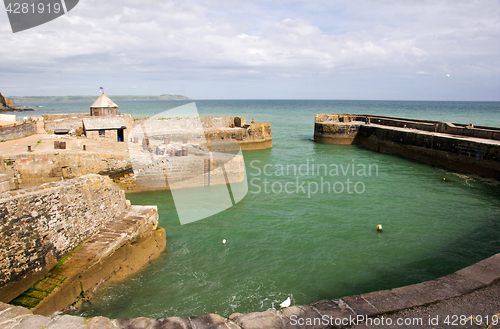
pixel 8 105
pixel 91 98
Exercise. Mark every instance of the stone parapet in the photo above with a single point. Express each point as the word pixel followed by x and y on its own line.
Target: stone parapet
pixel 17 130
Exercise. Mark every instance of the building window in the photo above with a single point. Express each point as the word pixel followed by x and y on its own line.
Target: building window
pixel 102 133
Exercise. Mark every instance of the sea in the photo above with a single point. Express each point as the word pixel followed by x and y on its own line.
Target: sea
pixel 294 235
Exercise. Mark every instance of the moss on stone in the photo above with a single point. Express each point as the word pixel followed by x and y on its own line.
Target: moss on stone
pixel 64 259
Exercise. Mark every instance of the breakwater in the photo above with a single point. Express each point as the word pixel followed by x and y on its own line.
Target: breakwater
pixel 462 148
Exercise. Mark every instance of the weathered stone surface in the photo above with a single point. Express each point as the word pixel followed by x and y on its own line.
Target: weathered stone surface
pixel 101 259
pixel 360 305
pixel 492 263
pixel 485 274
pixel 137 323
pixel 386 301
pixel 461 284
pixel 174 323
pixel 17 131
pixel 301 317
pixel 425 292
pixel 33 322
pixel 44 225
pixel 257 320
pixel 66 322
pixel 334 308
pixel 99 322
pixel 13 313
pixel 209 321
pixel 459 148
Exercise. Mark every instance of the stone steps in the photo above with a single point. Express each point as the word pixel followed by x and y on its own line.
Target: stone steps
pixel 67 280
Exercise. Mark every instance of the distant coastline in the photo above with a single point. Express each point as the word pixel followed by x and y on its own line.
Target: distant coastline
pixel 27 99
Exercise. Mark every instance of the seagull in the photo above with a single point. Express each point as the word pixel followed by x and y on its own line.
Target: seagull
pixel 223 241
pixel 448 75
pixel 286 303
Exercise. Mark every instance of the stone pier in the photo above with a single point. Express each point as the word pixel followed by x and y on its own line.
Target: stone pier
pixel 462 148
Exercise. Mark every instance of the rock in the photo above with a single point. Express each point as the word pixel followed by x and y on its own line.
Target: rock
pixel 3 102
pixel 67 322
pixel 13 313
pixel 33 322
pixel 210 321
pixel 257 320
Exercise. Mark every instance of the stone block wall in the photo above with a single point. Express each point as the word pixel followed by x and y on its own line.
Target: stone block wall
pixel 109 135
pixel 217 122
pixel 182 172
pixel 462 155
pixel 43 224
pixel 4 183
pixel 32 169
pixel 63 121
pixel 427 141
pixel 17 131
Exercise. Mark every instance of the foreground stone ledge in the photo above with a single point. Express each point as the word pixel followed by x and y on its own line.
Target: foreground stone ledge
pixel 324 312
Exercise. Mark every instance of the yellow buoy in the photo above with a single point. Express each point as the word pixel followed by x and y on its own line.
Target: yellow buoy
pixel 379 227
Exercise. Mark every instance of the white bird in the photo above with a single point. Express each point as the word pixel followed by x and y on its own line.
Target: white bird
pixel 448 75
pixel 286 303
pixel 223 241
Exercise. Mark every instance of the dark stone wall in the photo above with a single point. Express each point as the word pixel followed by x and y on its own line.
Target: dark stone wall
pixel 425 141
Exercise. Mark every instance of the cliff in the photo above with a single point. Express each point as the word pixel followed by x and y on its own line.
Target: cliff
pixel 8 105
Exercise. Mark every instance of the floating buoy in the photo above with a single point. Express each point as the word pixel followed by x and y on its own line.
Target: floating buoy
pixel 379 227
pixel 286 303
pixel 223 241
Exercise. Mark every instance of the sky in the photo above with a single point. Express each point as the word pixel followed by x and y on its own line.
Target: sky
pixel 276 49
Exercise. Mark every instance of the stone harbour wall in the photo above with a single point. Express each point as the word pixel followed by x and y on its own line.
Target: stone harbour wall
pixel 32 169
pixel 41 225
pixel 182 172
pixel 17 131
pixel 63 121
pixel 463 149
pixel 250 136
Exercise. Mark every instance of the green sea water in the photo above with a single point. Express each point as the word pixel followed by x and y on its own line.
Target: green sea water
pixel 287 238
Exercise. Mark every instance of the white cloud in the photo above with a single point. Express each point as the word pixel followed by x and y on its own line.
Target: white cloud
pixel 209 40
